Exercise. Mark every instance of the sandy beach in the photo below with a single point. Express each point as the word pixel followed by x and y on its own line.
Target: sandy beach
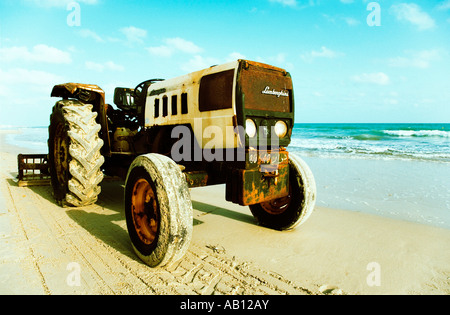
pixel 44 247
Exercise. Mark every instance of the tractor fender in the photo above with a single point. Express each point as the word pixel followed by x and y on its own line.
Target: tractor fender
pixel 92 94
pixel 74 90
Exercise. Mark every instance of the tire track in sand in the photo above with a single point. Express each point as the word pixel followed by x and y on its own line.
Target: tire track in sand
pixel 95 237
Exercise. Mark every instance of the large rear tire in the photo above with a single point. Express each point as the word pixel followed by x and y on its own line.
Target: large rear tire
pixel 74 153
pixel 158 210
pixel 291 211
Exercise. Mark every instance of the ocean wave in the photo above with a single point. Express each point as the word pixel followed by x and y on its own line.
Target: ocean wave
pixel 367 149
pixel 367 137
pixel 418 133
pixel 425 142
pixel 33 139
pixel 359 137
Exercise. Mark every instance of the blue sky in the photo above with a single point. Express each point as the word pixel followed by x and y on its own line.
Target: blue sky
pixel 343 69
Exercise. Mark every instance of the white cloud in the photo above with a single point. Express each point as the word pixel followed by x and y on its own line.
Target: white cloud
pixel 198 63
pixel 32 107
pixel 289 3
pixel 235 56
pixel 39 53
pixel 162 51
pixel 134 34
pixel 59 3
pixel 86 33
pixel 19 76
pixel 324 52
pixel 173 45
pixel 378 78
pixel 420 59
pixel 278 60
pixel 336 19
pixel 94 66
pixel 297 4
pixel 100 67
pixel 351 21
pixel 391 101
pixel 412 13
pixel 37 83
pixel 183 45
pixel 113 66
pixel 444 5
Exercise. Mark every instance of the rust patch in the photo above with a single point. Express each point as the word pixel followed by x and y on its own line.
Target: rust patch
pixel 248 63
pixel 265 178
pixel 259 187
pixel 70 89
pixel 266 90
pixel 196 179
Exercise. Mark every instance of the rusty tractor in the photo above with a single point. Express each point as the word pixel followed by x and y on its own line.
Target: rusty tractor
pixel 228 124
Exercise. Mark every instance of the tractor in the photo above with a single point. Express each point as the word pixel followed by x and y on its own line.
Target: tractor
pixel 228 124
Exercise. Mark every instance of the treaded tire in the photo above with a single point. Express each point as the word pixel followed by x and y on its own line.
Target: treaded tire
pixel 74 153
pixel 285 215
pixel 167 210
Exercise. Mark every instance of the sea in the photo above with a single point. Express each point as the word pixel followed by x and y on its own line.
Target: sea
pixel 422 142
pixel 401 171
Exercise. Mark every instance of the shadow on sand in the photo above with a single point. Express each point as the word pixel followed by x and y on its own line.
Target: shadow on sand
pixel 105 220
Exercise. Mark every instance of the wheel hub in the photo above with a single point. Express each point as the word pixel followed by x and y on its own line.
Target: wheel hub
pixel 61 154
pixel 145 212
pixel 277 206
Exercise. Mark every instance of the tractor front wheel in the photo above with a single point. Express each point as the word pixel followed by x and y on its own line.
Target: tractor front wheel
pixel 158 210
pixel 293 210
pixel 74 153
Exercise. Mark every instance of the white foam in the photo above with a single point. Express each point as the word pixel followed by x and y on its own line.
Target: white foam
pixel 418 133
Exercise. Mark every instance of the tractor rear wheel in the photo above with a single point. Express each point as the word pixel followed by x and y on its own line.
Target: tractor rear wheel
pixel 158 210
pixel 74 153
pixel 293 210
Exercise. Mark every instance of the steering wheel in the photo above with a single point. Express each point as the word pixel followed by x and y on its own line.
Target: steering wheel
pixel 140 88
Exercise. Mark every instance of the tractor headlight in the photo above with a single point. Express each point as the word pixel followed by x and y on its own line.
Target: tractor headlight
pixel 281 129
pixel 250 128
